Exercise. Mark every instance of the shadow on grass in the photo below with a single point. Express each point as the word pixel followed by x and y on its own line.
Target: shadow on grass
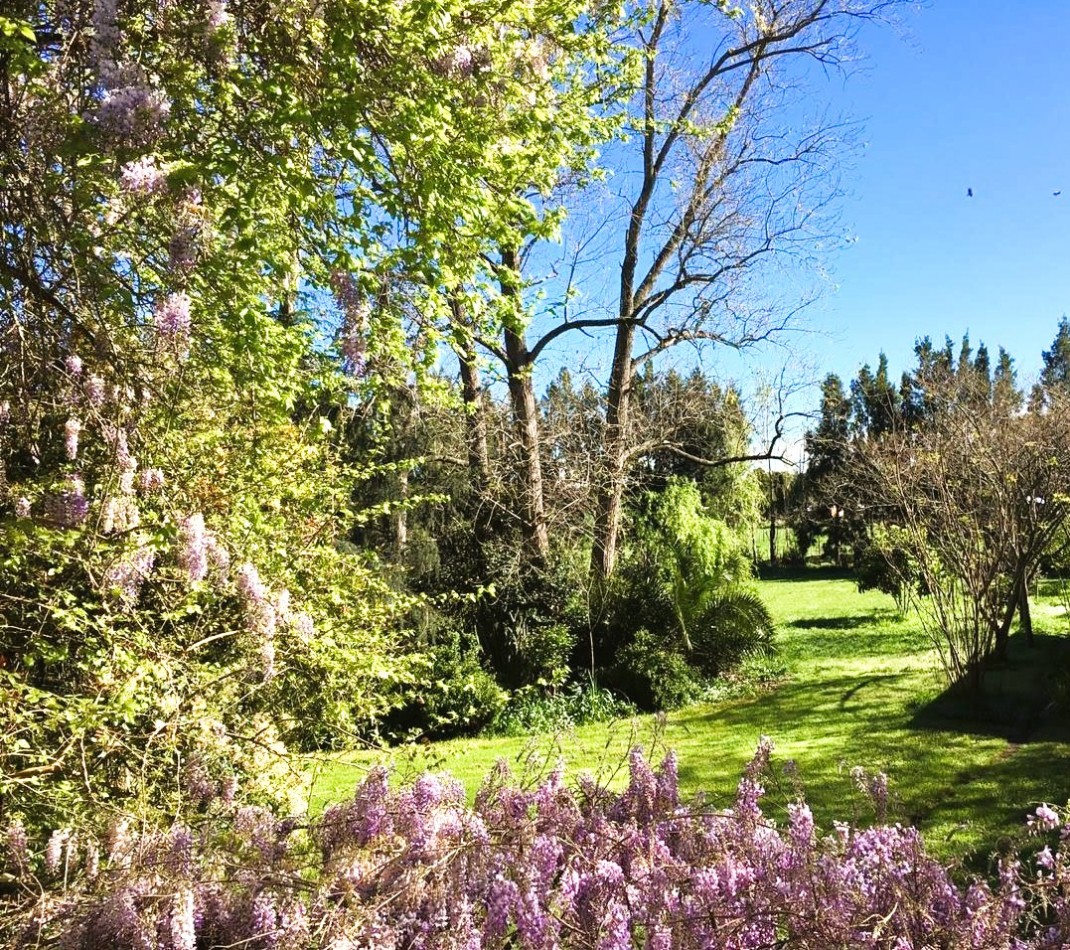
pixel 799 572
pixel 1021 698
pixel 836 623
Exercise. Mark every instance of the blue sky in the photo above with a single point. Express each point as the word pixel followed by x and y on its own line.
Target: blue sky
pixel 969 95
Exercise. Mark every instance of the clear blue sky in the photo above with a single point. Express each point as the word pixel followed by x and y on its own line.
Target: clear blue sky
pixel 976 94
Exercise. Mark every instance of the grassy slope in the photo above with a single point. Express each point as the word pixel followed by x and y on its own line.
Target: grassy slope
pixel 859 686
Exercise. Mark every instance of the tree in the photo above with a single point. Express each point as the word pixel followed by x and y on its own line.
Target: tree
pixel 973 495
pixel 716 195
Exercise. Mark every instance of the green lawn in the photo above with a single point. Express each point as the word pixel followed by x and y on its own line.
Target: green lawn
pixel 862 687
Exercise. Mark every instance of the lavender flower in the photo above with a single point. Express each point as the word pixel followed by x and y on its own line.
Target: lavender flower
pixel 17 845
pixel 265 921
pixel 458 63
pixel 132 113
pixel 182 248
pixel 183 926
pixel 302 625
pixel 105 40
pixel 68 507
pixel 172 319
pixel 1045 818
pixel 127 575
pixel 54 851
pixel 151 480
pixel 218 17
pixel 94 390
pixel 71 431
pixel 218 555
pixel 143 177
pixel 355 313
pixel 193 550
pixel 249 585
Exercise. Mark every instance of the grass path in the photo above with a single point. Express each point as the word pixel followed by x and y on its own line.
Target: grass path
pixel 859 690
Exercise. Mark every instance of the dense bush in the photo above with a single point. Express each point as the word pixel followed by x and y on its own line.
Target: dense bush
pixel 553 867
pixel 533 710
pixel 682 604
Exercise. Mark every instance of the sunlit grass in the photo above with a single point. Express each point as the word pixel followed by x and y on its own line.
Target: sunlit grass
pixel 858 686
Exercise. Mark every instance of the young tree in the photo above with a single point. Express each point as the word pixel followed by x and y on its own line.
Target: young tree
pixel 974 495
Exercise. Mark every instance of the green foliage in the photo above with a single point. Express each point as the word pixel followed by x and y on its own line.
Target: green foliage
pixel 732 625
pixel 682 601
pixel 654 675
pixel 532 710
pixel 453 693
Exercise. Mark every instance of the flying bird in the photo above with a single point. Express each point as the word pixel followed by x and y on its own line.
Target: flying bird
pixel 969 192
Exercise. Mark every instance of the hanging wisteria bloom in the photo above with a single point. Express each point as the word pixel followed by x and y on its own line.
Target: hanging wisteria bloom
pixel 133 113
pixel 68 507
pixel 144 177
pixel 95 390
pixel 105 39
pixel 249 584
pixel 172 318
pixel 218 16
pixel 151 480
pixel 120 515
pixel 458 63
pixel 218 555
pixel 71 430
pixel 74 364
pixel 54 850
pixel 127 575
pixel 193 547
pixel 356 310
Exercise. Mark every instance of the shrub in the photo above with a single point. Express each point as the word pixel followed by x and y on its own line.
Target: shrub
pixel 552 867
pixel 533 710
pixel 654 674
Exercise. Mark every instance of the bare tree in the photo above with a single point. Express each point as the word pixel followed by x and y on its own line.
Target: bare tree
pixel 722 188
pixel 974 495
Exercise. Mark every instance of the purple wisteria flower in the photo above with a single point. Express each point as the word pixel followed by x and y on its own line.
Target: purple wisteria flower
pixel 356 310
pixel 68 507
pixel 173 321
pixel 218 15
pixel 143 176
pixel 73 364
pixel 127 575
pixel 151 480
pixel 71 430
pixel 132 113
pixel 193 547
pixel 95 390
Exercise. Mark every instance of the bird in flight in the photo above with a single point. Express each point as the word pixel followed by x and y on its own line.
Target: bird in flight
pixel 969 192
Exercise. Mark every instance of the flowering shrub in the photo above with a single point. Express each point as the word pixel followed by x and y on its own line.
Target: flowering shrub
pixel 551 867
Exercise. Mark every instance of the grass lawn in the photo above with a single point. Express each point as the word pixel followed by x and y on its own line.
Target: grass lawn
pixel 862 687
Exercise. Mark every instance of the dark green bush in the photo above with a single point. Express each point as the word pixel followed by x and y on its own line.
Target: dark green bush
pixel 654 674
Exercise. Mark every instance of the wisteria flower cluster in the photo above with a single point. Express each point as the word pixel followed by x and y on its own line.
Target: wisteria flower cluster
pixel 553 867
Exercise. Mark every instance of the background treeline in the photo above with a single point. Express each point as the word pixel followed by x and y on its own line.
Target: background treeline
pixel 947 490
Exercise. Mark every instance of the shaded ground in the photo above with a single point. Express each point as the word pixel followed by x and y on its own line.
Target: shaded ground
pixel 863 688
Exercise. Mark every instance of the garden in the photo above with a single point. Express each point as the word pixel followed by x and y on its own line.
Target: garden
pixel 377 573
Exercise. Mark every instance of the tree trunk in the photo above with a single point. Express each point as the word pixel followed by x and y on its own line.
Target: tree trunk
pixel 611 495
pixel 526 420
pixel 472 392
pixel 1025 618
